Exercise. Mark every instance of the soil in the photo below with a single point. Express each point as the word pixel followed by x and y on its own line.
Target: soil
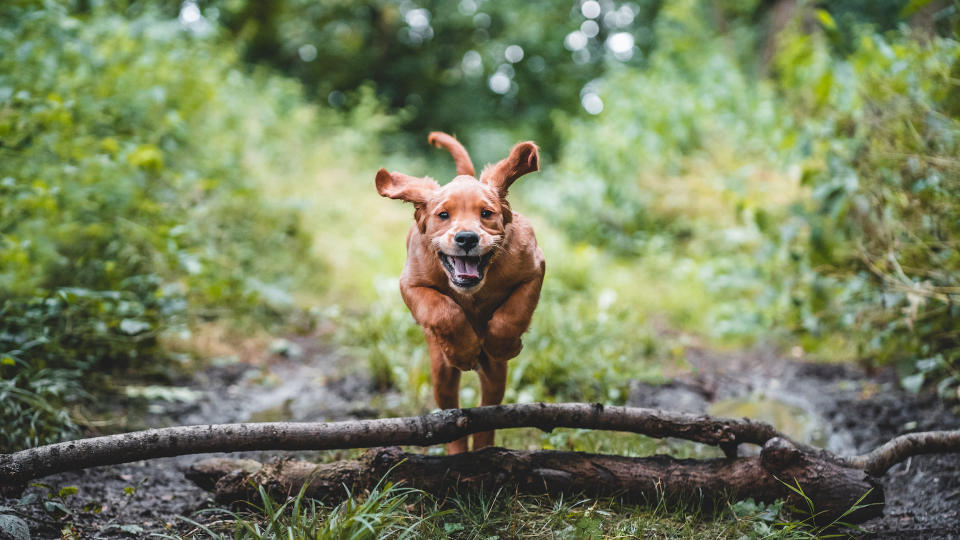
pixel 853 413
pixel 297 380
pixel 837 406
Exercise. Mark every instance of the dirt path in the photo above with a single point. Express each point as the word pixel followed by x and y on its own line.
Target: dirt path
pixel 835 406
pixel 300 380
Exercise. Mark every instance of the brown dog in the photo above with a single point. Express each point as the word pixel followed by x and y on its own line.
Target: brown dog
pixel 473 272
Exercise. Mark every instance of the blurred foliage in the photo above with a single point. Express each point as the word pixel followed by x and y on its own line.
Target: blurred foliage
pixel 821 200
pixel 518 63
pixel 127 203
pixel 512 62
pixel 875 245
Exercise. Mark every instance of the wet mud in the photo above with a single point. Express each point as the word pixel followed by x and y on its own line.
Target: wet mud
pixel 837 407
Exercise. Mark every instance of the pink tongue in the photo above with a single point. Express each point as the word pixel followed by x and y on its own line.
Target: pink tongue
pixel 466 267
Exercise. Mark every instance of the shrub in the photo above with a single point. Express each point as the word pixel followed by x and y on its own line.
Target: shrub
pixel 820 199
pixel 129 159
pixel 875 245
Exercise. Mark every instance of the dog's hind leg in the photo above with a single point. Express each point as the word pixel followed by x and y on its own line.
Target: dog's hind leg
pixel 493 383
pixel 446 387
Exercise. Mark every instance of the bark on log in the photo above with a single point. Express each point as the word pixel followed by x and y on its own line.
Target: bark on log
pixel 707 483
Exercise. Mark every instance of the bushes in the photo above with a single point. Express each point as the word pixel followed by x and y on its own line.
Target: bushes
pixel 820 200
pixel 878 237
pixel 129 151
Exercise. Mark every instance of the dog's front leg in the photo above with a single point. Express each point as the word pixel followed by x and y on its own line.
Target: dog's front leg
pixel 502 339
pixel 501 343
pixel 446 387
pixel 452 342
pixel 444 320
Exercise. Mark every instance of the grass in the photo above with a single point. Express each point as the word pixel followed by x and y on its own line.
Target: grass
pixel 393 511
pixel 381 513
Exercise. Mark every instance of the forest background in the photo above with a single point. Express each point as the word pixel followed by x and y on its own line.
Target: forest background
pixel 727 173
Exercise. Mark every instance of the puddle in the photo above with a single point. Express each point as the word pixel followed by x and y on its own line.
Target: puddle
pixel 797 422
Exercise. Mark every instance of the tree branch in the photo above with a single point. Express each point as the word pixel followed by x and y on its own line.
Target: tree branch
pixel 434 428
pixel 879 461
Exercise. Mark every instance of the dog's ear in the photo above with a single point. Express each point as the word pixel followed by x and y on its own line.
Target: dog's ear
pixel 460 156
pixel 407 188
pixel 524 158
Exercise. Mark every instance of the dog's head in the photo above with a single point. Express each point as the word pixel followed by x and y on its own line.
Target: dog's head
pixel 465 220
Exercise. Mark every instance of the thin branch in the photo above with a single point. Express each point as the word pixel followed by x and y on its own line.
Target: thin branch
pixel 879 461
pixel 435 428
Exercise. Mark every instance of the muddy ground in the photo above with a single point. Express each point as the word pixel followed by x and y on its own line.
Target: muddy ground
pixel 838 407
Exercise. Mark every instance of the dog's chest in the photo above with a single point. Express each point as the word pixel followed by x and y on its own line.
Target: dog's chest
pixel 479 308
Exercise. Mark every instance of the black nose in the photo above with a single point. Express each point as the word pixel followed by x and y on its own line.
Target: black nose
pixel 466 240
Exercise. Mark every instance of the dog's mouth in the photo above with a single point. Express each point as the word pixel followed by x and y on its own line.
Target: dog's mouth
pixel 465 271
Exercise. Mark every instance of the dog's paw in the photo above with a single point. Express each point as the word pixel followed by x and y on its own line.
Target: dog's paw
pixel 463 356
pixel 502 348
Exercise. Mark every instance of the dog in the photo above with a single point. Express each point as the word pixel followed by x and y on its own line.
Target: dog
pixel 473 272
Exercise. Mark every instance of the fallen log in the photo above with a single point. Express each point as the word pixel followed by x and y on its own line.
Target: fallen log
pixel 832 489
pixel 837 481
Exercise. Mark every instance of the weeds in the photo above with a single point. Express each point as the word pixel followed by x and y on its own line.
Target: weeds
pixel 392 511
pixel 382 513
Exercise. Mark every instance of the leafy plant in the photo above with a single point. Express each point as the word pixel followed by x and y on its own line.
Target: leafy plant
pixel 130 205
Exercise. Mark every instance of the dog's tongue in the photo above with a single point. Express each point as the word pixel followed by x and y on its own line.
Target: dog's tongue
pixel 466 267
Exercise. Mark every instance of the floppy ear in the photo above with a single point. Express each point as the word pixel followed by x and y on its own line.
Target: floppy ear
pixel 404 187
pixel 524 158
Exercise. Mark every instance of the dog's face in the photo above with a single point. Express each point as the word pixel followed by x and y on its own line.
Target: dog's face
pixel 465 220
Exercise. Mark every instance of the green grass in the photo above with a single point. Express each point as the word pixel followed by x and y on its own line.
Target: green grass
pixel 380 514
pixel 393 511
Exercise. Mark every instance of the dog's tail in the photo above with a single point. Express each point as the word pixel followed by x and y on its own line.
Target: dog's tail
pixel 460 156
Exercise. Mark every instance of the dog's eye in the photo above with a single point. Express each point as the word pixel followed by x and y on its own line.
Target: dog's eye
pixel 443 215
pixel 485 213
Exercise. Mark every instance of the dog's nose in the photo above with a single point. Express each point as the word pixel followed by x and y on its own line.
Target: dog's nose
pixel 466 240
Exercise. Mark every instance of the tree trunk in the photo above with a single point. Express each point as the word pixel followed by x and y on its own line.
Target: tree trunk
pixel 832 489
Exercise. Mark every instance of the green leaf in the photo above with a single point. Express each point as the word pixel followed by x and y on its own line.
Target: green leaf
pixel 826 19
pixel 133 327
pixel 452 527
pixel 913 6
pixel 54 507
pixel 67 491
pixel 147 156
pixel 945 388
pixel 912 383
